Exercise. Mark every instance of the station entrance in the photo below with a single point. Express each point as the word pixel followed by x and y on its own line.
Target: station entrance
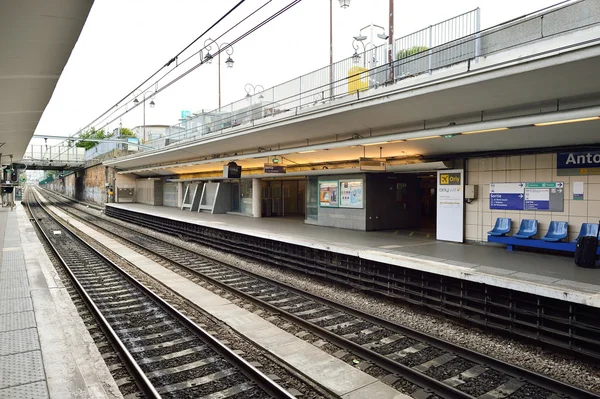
pixel 283 197
pixel 428 200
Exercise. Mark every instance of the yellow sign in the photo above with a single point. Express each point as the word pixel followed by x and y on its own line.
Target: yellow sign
pixel 450 179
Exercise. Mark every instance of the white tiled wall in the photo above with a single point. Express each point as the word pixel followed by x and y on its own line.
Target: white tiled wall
pixel 479 219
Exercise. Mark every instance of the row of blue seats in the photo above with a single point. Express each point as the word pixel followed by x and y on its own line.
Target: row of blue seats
pixel 557 231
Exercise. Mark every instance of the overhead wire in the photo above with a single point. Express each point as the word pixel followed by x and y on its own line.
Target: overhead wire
pixel 114 110
pixel 169 62
pixel 196 66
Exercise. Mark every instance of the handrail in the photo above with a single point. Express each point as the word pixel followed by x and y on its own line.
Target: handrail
pixel 465 48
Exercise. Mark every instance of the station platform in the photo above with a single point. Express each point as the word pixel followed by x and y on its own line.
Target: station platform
pixel 45 348
pixel 535 273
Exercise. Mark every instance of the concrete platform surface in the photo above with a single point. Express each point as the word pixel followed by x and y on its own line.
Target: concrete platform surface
pixel 541 274
pixel 337 376
pixel 45 348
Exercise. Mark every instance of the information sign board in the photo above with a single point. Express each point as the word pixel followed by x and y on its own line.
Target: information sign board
pixel 378 164
pixel 450 205
pixel 274 168
pixel 351 193
pixel 506 196
pixel 537 196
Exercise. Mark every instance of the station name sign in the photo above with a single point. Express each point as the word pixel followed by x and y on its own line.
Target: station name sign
pixel 573 160
pixel 578 163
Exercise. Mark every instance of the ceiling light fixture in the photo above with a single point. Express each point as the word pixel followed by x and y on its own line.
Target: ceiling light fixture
pixel 306 152
pixel 486 130
pixel 423 138
pixel 567 121
pixel 382 142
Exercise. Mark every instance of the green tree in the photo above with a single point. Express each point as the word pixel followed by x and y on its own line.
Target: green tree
pixel 125 132
pixel 92 133
pixel 411 51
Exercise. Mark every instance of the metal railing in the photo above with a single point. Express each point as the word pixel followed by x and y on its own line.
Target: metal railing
pixel 314 88
pixel 443 45
pixel 437 47
pixel 45 155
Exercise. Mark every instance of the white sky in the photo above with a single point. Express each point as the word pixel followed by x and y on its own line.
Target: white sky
pixel 124 41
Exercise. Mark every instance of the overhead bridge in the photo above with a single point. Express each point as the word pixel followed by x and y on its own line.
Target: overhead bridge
pixel 42 157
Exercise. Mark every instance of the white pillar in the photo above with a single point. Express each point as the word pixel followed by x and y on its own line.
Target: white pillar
pixel 256 198
pixel 179 194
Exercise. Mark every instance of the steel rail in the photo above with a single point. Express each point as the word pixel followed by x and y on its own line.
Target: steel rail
pixel 535 378
pixel 264 382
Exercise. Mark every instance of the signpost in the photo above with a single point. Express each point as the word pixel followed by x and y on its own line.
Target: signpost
pixel 378 164
pixel 539 196
pixel 274 168
pixel 506 196
pixel 450 205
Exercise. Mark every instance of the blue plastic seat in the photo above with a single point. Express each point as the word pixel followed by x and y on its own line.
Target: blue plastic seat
pixel 527 229
pixel 501 227
pixel 556 232
pixel 588 229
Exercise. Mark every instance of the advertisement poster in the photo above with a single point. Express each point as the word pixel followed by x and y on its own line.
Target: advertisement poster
pixel 328 194
pixel 351 193
pixel 450 205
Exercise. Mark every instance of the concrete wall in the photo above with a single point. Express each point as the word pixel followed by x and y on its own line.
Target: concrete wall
pixel 344 218
pixel 70 186
pixel 123 181
pixel 149 191
pixel 479 219
pixel 170 194
pixel 222 197
pixel 562 20
pixel 92 187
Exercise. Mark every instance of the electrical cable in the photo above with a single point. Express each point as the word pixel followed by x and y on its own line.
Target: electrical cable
pixel 241 37
pixel 170 71
pixel 171 60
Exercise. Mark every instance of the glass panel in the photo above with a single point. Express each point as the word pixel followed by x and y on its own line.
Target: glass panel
pixel 312 198
pixel 235 197
pixel 246 194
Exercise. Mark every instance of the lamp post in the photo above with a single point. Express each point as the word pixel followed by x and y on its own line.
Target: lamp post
pixel 343 4
pixel 252 90
pixel 208 58
pixel 152 104
pixel 361 38
pixel 356 56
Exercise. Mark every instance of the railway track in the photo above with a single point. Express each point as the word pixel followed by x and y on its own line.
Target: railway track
pixel 436 368
pixel 166 354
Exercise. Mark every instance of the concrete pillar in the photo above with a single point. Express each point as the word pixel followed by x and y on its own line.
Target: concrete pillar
pixel 256 198
pixel 179 194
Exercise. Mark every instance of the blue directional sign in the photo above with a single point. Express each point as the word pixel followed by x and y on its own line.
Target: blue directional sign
pixel 506 196
pixel 538 196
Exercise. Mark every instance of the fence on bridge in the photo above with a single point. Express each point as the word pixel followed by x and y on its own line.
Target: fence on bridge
pixel 53 157
pixel 439 46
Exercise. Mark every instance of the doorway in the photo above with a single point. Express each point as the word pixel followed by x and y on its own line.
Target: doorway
pixel 285 197
pixel 428 198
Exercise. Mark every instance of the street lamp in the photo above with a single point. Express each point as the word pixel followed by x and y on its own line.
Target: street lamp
pixel 343 4
pixel 361 38
pixel 252 90
pixel 356 55
pixel 208 58
pixel 152 105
